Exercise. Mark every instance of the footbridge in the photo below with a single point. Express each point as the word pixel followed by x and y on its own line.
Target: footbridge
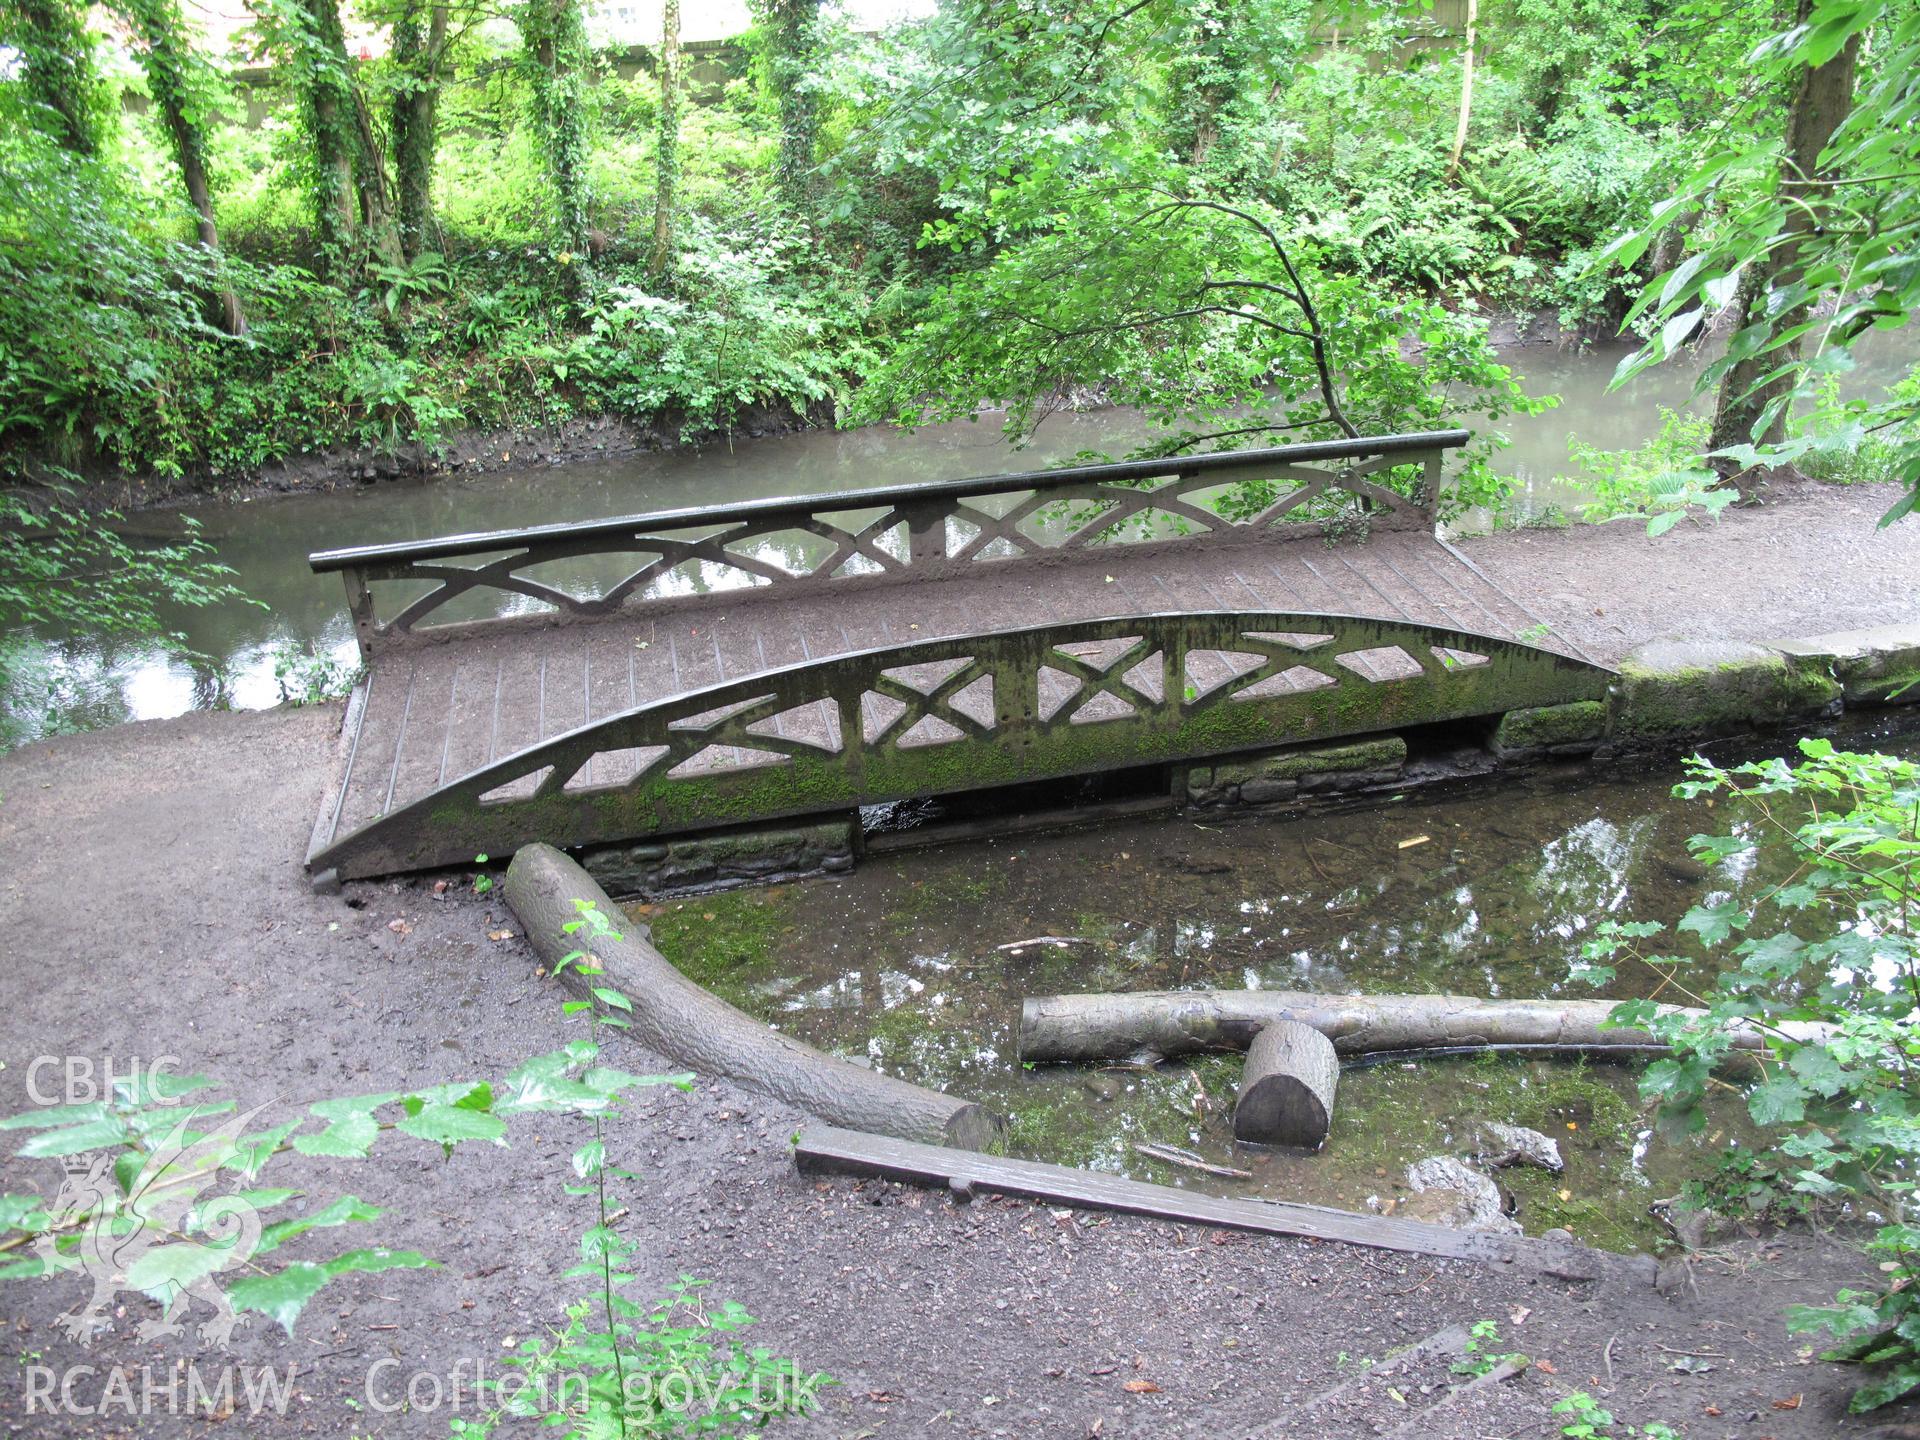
pixel 691 671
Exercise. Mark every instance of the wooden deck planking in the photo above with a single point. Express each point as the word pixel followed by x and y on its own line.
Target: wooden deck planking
pixel 437 710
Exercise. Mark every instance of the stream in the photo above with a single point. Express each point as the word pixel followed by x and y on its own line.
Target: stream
pixel 913 963
pixel 81 682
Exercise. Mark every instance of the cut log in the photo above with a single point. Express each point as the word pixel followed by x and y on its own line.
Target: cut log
pixel 1286 1093
pixel 695 1028
pixel 1081 1028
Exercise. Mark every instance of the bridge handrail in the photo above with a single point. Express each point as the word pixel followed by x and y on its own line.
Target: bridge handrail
pixel 705 534
pixel 480 542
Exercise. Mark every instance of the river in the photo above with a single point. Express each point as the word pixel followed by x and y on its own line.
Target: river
pixel 83 682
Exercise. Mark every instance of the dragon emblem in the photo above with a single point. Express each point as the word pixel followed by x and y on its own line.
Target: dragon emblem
pixel 159 1236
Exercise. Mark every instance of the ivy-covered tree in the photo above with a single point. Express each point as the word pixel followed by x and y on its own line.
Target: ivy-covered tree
pixel 418 52
pixel 1807 230
pixel 57 68
pixel 1755 391
pixel 554 38
pixel 187 92
pixel 667 148
pixel 793 60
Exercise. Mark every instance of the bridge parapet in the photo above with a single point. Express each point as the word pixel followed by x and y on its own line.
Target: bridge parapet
pixel 964 713
pixel 607 568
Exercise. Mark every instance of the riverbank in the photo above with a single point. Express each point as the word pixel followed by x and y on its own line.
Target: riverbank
pixel 587 439
pixel 153 904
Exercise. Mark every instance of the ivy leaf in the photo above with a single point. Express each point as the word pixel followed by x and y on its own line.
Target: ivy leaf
pixel 283 1295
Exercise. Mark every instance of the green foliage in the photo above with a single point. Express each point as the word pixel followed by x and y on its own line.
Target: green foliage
pixel 1834 250
pixel 1827 970
pixel 1480 1356
pixel 623 1367
pixel 167 1149
pixel 1195 312
pixel 307 677
pixel 1587 1419
pixel 1663 482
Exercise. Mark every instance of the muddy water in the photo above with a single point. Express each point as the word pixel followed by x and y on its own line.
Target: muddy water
pixel 266 540
pixel 912 964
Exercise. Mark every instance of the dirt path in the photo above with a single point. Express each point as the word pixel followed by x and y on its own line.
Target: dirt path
pixel 1810 561
pixel 152 904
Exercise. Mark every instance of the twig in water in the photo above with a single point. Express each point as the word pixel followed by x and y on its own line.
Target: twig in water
pixel 1057 941
pixel 1169 1155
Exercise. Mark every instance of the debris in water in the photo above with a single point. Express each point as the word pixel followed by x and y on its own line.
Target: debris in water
pixel 1174 1155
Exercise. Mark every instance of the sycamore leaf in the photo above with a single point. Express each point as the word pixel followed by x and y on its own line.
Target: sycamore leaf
pixel 1778 1101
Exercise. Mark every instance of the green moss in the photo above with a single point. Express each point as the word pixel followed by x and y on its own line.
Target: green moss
pixel 1551 725
pixel 1386 752
pixel 724 942
pixel 1672 690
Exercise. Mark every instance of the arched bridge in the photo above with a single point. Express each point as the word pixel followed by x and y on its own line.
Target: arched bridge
pixel 667 674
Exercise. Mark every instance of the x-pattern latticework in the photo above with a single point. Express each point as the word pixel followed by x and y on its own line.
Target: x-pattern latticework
pixel 965 713
pixel 929 531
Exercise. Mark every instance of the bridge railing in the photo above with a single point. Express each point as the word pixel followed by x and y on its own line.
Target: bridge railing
pixel 873 536
pixel 942 716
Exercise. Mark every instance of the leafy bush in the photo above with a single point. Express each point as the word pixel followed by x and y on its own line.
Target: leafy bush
pixel 1662 482
pixel 1827 969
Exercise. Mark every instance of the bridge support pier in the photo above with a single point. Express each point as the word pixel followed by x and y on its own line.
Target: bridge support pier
pixel 652 870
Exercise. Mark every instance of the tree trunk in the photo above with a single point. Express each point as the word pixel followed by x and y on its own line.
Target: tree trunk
pixel 668 157
pixel 1185 1022
pixel 1466 91
pixel 168 60
pixel 1286 1094
pixel 690 1026
pixel 417 54
pixel 1750 408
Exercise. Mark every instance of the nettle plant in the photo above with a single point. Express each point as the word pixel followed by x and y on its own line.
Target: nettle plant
pixel 624 1367
pixel 1826 964
pixel 140 1211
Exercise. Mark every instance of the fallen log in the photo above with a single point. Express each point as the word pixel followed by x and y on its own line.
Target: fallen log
pixel 1079 1028
pixel 691 1026
pixel 1286 1094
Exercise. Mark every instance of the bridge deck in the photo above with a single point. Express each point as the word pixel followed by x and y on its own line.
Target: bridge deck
pixel 435 710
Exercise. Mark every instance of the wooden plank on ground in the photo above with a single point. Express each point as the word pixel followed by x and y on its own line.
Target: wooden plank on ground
pixel 826 1150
